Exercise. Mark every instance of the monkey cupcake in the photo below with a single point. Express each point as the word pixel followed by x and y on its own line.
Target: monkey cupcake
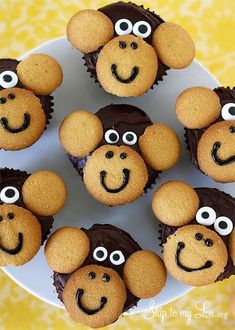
pixel 127 48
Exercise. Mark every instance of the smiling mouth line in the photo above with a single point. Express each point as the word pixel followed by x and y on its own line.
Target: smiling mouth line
pixel 134 73
pixel 217 160
pixel 18 247
pixel 79 294
pixel 180 247
pixel 24 126
pixel 126 177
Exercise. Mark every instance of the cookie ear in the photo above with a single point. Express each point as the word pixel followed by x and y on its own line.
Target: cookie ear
pixel 173 45
pixel 160 147
pixel 144 274
pixel 67 249
pixel 175 203
pixel 44 193
pixel 89 29
pixel 40 73
pixel 198 107
pixel 80 133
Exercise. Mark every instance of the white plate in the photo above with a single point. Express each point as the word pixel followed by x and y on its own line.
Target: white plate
pixel 80 92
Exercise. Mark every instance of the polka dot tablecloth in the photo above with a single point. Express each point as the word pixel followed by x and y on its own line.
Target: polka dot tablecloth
pixel 25 24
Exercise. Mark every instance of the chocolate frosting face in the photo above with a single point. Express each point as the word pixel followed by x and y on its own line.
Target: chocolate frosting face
pixel 133 13
pixel 122 118
pixel 16 178
pixel 224 205
pixel 112 239
pixel 7 64
pixel 193 136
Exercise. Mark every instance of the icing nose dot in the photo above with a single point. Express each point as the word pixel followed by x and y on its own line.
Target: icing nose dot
pixel 199 236
pixel 0 218
pixel 106 277
pixel 208 242
pixel 11 96
pixel 10 216
pixel 232 129
pixel 123 155
pixel 92 275
pixel 109 154
pixel 2 100
pixel 122 44
pixel 134 45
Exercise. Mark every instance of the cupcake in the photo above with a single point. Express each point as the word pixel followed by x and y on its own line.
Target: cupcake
pixel 127 48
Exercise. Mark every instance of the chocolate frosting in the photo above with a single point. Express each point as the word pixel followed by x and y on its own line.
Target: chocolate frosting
pixel 112 238
pixel 122 118
pixel 224 205
pixel 193 136
pixel 46 101
pixel 16 178
pixel 134 13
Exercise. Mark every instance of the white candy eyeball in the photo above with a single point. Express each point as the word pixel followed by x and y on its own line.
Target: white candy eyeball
pixel 206 216
pixel 111 136
pixel 9 195
pixel 129 138
pixel 100 253
pixel 223 226
pixel 228 111
pixel 142 29
pixel 8 79
pixel 117 257
pixel 123 26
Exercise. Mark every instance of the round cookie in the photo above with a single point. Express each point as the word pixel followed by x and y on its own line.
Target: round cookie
pixel 160 140
pixel 232 246
pixel 95 296
pixel 195 255
pixel 22 119
pixel 232 304
pixel 144 274
pixel 67 249
pixel 198 107
pixel 216 152
pixel 20 235
pixel 93 27
pixel 40 73
pixel 44 193
pixel 174 46
pixel 73 133
pixel 115 175
pixel 131 70
pixel 175 203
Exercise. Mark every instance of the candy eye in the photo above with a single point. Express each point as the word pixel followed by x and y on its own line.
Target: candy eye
pixel 129 138
pixel 9 195
pixel 228 111
pixel 206 216
pixel 142 29
pixel 8 79
pixel 223 226
pixel 100 253
pixel 111 136
pixel 123 26
pixel 117 257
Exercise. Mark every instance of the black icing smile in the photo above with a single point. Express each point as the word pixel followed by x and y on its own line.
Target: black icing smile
pixel 180 247
pixel 134 73
pixel 17 249
pixel 79 294
pixel 217 160
pixel 126 177
pixel 24 126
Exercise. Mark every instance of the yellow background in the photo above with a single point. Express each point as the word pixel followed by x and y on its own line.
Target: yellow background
pixel 27 23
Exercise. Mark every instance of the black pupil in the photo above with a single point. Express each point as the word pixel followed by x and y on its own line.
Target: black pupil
pixel 113 137
pixel 223 225
pixel 143 29
pixel 10 193
pixel 7 78
pixel 100 254
pixel 123 26
pixel 129 137
pixel 205 215
pixel 231 110
pixel 116 257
